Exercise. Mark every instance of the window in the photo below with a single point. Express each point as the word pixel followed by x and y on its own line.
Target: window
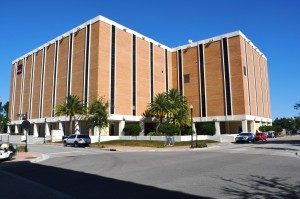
pixel 187 78
pixel 245 71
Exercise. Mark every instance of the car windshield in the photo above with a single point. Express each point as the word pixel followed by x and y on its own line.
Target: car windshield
pixel 258 133
pixel 83 136
pixel 244 134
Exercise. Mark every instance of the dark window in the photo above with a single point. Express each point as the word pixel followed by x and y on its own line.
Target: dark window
pixel 19 69
pixel 227 78
pixel 87 51
pixel 151 71
pixel 245 71
pixel 112 69
pixel 202 80
pixel 187 78
pixel 83 136
pixel 70 65
pixel 54 77
pixel 42 82
pixel 167 70
pixel 134 74
pixel 180 71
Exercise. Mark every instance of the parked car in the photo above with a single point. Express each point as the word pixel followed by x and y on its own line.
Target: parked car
pixel 260 136
pixel 6 152
pixel 245 137
pixel 77 140
pixel 271 135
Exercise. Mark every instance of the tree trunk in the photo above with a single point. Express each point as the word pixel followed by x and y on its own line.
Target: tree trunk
pixel 70 126
pixel 99 136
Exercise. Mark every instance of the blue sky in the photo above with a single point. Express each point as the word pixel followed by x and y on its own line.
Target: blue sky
pixel 273 26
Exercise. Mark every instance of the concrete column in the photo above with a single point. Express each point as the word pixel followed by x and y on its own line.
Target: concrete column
pixel 244 126
pixel 35 132
pixel 77 129
pixel 121 127
pixel 217 126
pixel 8 129
pixel 16 129
pixel 143 128
pixel 253 127
pixel 194 128
pixel 47 132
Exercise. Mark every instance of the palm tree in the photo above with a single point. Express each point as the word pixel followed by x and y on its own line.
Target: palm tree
pixel 98 114
pixel 180 114
pixel 160 106
pixel 72 106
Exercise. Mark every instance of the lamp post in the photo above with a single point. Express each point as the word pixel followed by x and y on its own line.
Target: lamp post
pixel 191 108
pixel 45 131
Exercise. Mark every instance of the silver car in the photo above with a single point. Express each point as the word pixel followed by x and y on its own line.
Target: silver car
pixel 77 140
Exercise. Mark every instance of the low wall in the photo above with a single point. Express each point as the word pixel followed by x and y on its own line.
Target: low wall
pixel 218 138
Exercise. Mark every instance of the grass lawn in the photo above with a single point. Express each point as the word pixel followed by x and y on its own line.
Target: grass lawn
pixel 146 143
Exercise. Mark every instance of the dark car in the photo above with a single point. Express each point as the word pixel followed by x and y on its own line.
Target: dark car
pixel 245 137
pixel 260 136
pixel 77 140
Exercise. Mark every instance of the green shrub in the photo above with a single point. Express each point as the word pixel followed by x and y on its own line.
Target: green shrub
pixel 207 129
pixel 152 134
pixel 132 129
pixel 169 129
pixel 201 145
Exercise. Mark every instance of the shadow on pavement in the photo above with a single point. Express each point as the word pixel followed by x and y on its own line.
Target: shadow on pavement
pixel 74 184
pixel 261 187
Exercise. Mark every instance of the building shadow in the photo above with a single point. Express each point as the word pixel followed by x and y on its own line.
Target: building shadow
pixel 74 184
pixel 261 187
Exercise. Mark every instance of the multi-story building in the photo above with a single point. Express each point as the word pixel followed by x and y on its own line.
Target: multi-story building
pixel 225 78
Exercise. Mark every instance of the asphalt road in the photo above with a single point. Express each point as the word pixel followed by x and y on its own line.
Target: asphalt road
pixel 260 170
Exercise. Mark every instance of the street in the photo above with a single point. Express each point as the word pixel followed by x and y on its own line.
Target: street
pixel 255 170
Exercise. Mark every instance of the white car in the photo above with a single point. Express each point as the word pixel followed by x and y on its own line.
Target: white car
pixel 5 152
pixel 77 140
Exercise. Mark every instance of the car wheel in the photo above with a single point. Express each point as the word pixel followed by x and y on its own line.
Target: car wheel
pixel 65 144
pixel 10 157
pixel 76 144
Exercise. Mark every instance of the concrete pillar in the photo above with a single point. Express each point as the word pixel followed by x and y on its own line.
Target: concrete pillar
pixel 143 128
pixel 16 129
pixel 121 127
pixel 253 126
pixel 35 132
pixel 8 129
pixel 217 126
pixel 77 129
pixel 47 132
pixel 244 126
pixel 194 128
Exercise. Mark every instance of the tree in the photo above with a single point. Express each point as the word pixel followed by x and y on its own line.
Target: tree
pixel 297 106
pixel 207 129
pixel 4 117
pixel 160 106
pixel 180 111
pixel 132 129
pixel 98 114
pixel 171 106
pixel 72 106
pixel 169 129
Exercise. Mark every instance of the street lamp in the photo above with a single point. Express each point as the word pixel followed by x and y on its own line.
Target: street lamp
pixel 45 131
pixel 191 108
